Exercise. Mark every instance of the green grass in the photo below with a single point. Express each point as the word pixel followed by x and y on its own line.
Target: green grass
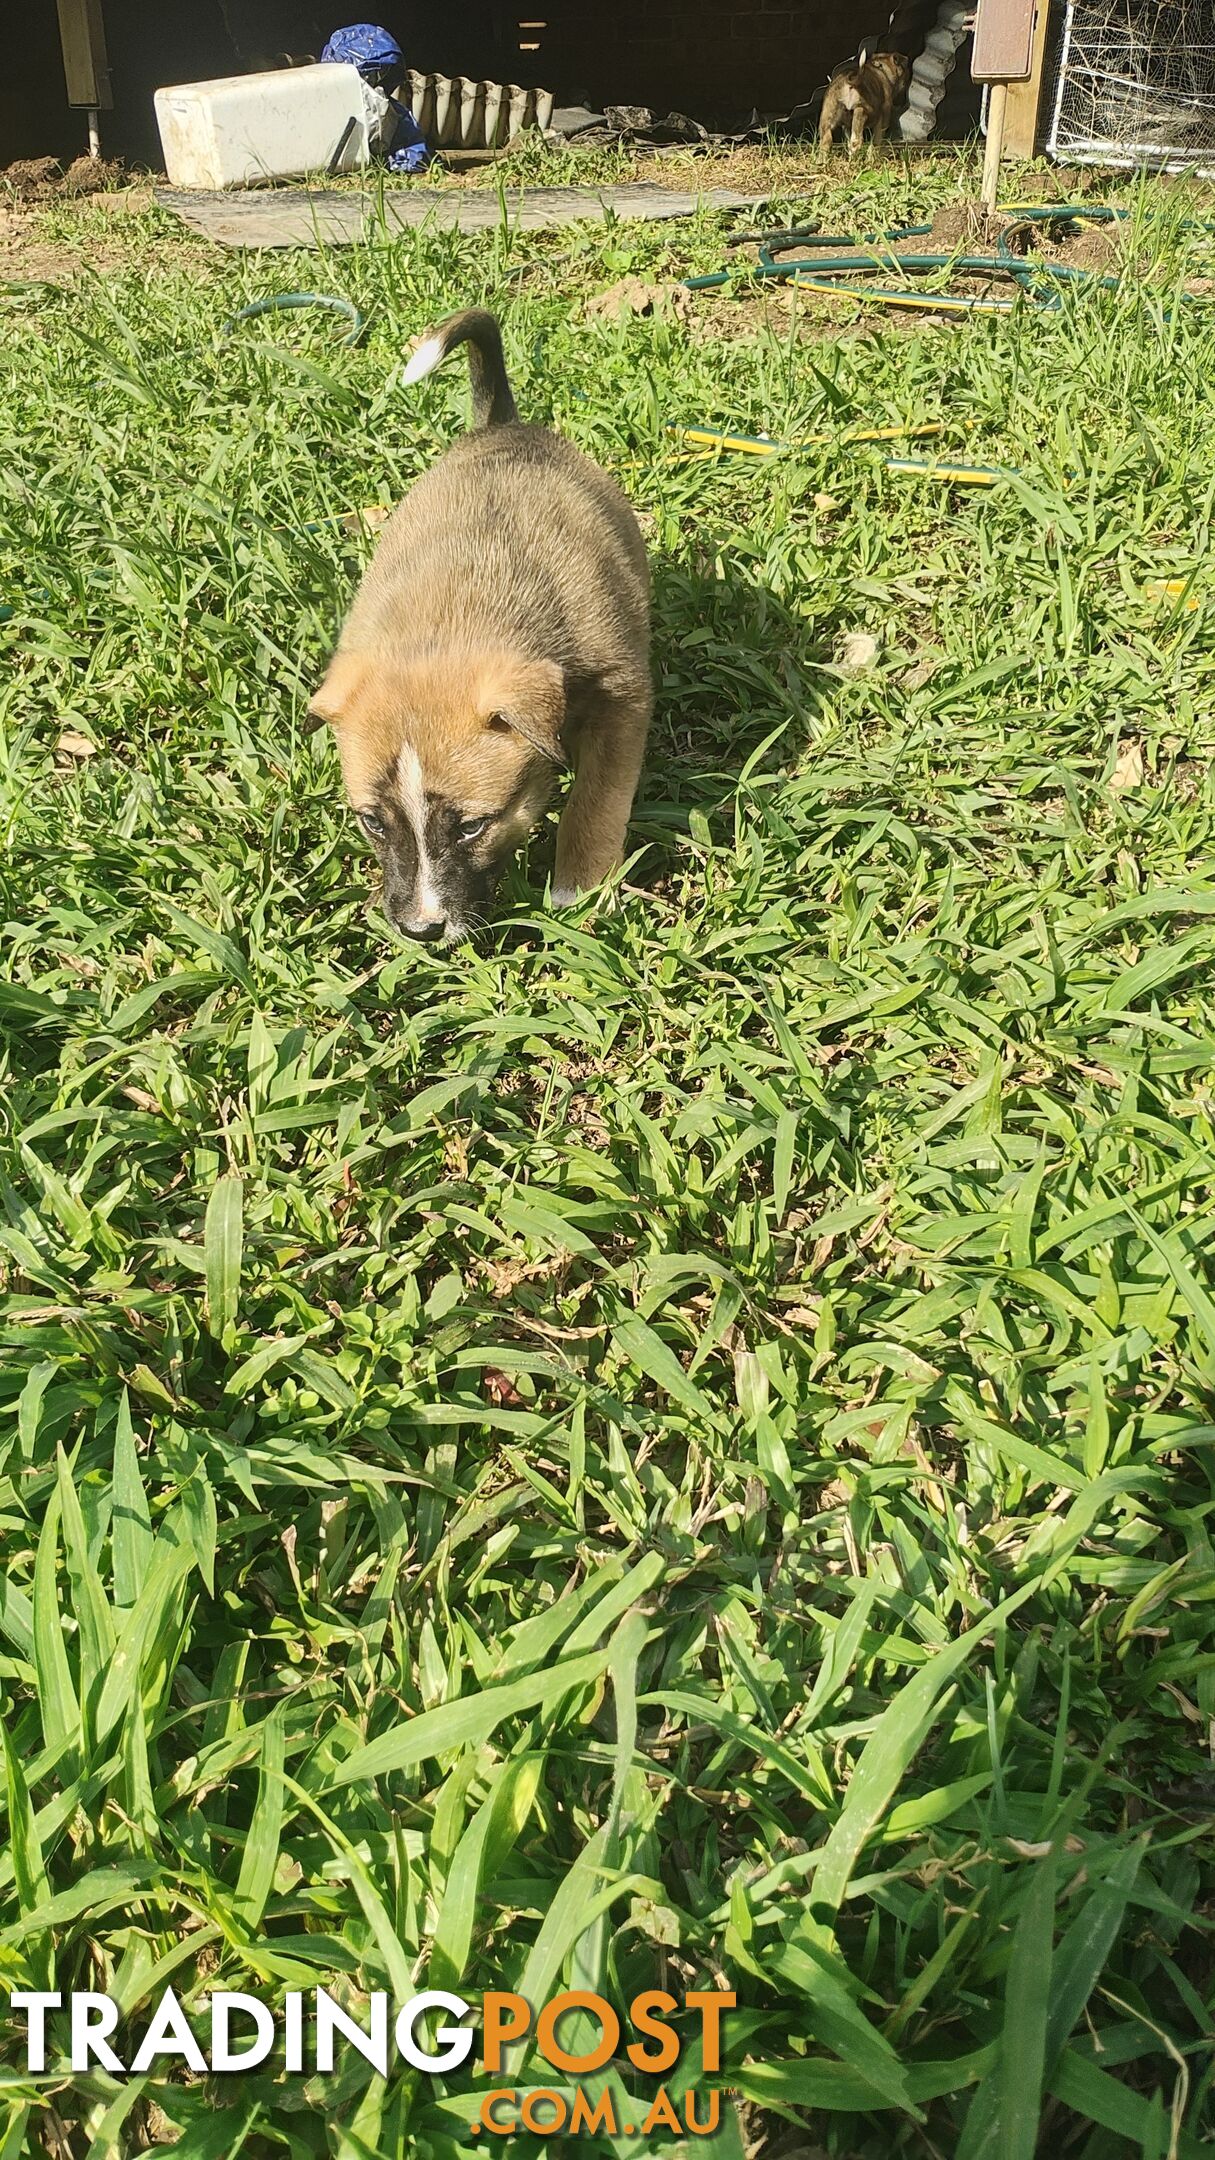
pixel 750 1347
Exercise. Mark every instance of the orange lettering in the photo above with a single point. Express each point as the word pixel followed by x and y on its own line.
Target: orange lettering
pixel 531 2116
pixel 711 2007
pixel 597 2119
pixel 667 2052
pixel 702 2129
pixel 662 2115
pixel 507 2018
pixel 554 2053
pixel 488 2118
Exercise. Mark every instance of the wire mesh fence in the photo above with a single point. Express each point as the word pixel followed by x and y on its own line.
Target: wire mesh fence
pixel 1133 84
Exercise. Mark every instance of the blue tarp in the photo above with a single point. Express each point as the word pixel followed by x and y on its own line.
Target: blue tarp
pixel 379 60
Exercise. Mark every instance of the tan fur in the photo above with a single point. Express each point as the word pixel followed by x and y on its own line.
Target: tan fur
pixel 863 96
pixel 449 701
pixel 500 633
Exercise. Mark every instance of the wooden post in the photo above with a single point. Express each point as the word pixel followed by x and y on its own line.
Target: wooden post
pixel 1004 31
pixel 1025 98
pixel 85 67
pixel 997 104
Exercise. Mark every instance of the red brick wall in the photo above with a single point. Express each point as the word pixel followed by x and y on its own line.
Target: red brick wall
pixel 711 58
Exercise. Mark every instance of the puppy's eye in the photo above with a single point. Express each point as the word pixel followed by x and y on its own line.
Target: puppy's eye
pixel 372 825
pixel 472 827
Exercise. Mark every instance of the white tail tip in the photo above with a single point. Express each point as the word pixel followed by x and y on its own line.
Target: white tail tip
pixel 427 356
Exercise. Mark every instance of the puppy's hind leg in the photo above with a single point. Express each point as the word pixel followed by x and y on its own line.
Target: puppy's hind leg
pixel 829 120
pixel 594 824
pixel 857 137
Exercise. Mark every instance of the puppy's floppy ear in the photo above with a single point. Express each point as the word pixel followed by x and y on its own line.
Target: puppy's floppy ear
pixel 345 675
pixel 527 697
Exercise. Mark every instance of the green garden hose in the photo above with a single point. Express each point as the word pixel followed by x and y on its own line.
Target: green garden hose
pixel 303 300
pixel 818 271
pixel 779 241
pixel 1090 214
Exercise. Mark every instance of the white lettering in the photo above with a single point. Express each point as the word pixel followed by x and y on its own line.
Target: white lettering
pixel 372 2046
pixel 223 2055
pixel 36 2006
pixel 455 2046
pixel 293 2041
pixel 169 2034
pixel 94 2018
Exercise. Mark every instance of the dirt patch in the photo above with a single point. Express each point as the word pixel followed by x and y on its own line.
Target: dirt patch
pixel 31 256
pixel 1071 184
pixel 72 233
pixel 633 296
pixel 1084 247
pixel 31 176
pixel 724 316
pixel 959 229
pixel 963 227
pixel 91 176
pixel 41 179
pixel 52 265
pixel 28 257
pixel 966 227
pixel 1099 247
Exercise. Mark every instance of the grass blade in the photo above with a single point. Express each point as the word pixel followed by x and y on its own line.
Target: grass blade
pixel 131 1525
pixel 468 1722
pixel 223 1237
pixel 259 1860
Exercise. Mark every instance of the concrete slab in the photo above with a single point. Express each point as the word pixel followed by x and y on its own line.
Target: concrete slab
pixel 333 217
pixel 271 217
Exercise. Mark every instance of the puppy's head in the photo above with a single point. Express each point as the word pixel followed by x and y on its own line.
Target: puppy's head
pixel 896 68
pixel 448 762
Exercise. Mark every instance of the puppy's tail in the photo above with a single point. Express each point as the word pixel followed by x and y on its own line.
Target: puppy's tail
pixel 493 404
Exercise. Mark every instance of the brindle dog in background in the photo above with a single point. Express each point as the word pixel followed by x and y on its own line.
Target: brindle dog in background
pixel 864 92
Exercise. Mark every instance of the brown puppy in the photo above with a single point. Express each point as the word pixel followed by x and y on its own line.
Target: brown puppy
pixel 501 633
pixel 866 89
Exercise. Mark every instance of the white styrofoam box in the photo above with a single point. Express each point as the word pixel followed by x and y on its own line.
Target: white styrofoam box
pixel 246 128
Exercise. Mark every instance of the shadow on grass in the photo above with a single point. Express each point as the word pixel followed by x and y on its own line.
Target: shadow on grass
pixel 740 691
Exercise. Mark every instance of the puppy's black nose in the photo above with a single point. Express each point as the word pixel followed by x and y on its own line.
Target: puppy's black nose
pixel 426 932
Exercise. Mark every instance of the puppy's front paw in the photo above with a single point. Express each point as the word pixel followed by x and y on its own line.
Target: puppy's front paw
pixel 564 895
